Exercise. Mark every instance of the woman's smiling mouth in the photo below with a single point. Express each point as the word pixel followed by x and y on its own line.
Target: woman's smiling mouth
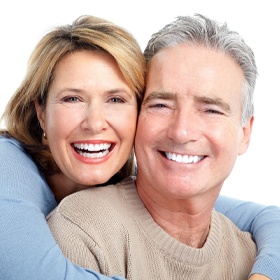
pixel 90 150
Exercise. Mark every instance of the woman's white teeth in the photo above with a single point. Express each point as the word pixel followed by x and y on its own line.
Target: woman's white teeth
pixel 94 155
pixel 183 158
pixel 92 150
pixel 92 147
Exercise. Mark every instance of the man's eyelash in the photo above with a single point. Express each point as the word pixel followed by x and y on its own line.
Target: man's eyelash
pixel 212 111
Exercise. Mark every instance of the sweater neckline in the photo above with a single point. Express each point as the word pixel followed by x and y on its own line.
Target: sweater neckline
pixel 162 240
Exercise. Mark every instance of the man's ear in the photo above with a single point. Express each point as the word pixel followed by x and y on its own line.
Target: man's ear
pixel 40 114
pixel 246 136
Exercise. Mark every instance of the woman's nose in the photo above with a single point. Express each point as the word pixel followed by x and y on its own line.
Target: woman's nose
pixel 95 118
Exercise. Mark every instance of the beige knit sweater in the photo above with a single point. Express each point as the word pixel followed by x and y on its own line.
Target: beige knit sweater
pixel 109 230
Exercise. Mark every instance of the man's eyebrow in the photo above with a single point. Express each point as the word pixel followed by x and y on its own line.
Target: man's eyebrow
pixel 213 101
pixel 159 95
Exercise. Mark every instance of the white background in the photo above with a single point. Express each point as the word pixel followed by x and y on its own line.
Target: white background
pixel 255 177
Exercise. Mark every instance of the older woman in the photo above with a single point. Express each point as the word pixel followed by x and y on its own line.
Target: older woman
pixel 70 126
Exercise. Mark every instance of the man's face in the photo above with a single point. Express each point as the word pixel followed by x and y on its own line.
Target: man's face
pixel 189 130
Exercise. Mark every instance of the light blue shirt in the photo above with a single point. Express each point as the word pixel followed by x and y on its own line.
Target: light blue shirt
pixel 28 250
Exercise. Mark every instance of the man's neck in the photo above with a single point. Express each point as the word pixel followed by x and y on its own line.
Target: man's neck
pixel 188 221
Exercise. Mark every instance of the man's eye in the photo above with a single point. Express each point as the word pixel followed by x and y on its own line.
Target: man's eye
pixel 158 105
pixel 212 111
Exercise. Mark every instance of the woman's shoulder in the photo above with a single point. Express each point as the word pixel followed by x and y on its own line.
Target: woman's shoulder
pixel 11 146
pixel 20 178
pixel 9 141
pixel 14 157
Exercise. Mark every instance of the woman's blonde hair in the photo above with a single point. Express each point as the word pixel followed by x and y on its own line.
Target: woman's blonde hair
pixel 85 33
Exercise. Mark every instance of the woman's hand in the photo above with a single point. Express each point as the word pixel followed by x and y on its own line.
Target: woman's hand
pixel 259 277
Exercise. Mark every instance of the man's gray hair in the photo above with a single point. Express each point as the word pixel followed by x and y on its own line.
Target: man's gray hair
pixel 200 30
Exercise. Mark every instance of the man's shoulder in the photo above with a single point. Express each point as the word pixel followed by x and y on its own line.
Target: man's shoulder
pixel 105 192
pixel 96 202
pixel 231 234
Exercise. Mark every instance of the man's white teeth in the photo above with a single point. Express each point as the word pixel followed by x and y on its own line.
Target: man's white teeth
pixel 92 150
pixel 183 158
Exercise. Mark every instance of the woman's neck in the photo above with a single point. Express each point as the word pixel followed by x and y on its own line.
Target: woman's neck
pixel 62 186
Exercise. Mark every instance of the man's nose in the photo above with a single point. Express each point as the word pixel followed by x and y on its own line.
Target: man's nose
pixel 184 126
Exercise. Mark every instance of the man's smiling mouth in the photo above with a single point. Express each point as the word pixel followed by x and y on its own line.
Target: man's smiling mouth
pixel 183 158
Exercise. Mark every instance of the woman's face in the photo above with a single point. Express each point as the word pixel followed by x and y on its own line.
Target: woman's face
pixel 89 119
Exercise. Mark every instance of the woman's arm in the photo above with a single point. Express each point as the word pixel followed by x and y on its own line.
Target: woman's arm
pixel 264 224
pixel 28 250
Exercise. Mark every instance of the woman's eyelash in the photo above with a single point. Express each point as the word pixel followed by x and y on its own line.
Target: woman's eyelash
pixel 70 99
pixel 117 100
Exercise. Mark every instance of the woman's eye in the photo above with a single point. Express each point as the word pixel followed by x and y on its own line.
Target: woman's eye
pixel 70 99
pixel 116 100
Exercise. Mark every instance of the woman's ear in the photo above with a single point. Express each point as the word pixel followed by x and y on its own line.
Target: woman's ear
pixel 40 114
